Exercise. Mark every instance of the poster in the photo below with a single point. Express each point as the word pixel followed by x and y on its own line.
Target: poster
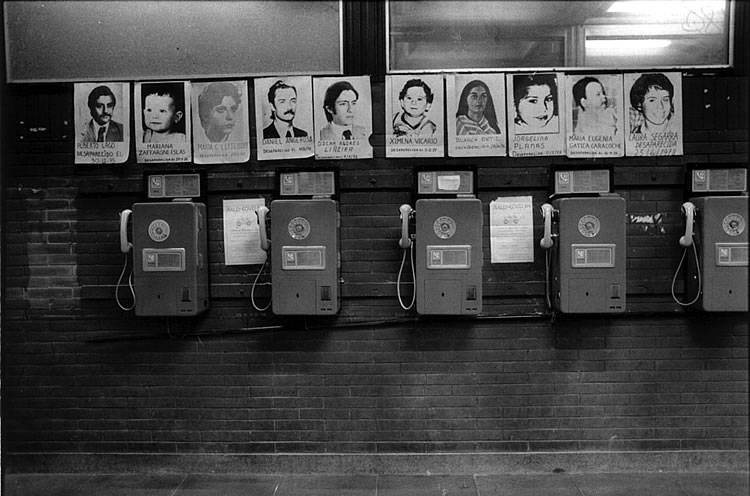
pixel 476 115
pixel 102 122
pixel 414 116
pixel 162 116
pixel 284 117
pixel 343 117
pixel 512 230
pixel 594 115
pixel 655 115
pixel 220 122
pixel 241 232
pixel 535 128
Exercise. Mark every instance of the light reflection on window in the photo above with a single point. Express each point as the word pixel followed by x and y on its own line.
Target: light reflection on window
pixel 505 34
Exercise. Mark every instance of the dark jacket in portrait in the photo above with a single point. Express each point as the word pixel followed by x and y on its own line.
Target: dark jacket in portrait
pixel 270 132
pixel 114 132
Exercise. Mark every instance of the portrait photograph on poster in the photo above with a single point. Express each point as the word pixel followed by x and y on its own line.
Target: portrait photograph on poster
pixel 343 117
pixel 654 120
pixel 414 115
pixel 535 128
pixel 102 122
pixel 220 122
pixel 594 115
pixel 475 106
pixel 284 117
pixel 163 131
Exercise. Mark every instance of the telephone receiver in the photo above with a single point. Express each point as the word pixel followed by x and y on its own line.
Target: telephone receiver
pixel 688 208
pixel 125 245
pixel 546 241
pixel 405 212
pixel 262 213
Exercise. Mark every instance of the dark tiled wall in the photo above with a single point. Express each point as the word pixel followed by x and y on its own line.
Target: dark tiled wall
pixel 81 375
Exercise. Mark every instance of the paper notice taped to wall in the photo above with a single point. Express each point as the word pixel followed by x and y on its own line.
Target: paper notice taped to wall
pixel 512 230
pixel 241 233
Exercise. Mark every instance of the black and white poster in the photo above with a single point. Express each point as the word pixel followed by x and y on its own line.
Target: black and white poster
pixel 476 115
pixel 414 116
pixel 343 117
pixel 102 122
pixel 535 128
pixel 162 116
pixel 220 122
pixel 594 115
pixel 655 114
pixel 284 118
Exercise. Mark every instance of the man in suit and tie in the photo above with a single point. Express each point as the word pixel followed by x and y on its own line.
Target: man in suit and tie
pixel 283 100
pixel 340 104
pixel 101 128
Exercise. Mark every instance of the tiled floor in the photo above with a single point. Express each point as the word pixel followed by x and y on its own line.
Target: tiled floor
pixel 595 484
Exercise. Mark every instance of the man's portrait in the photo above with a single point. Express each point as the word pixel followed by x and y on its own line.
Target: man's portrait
pixel 340 106
pixel 282 98
pixel 220 111
pixel 102 128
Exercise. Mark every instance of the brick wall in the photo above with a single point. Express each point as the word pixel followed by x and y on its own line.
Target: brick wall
pixel 81 375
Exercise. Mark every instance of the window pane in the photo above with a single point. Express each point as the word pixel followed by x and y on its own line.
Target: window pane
pixel 109 40
pixel 623 34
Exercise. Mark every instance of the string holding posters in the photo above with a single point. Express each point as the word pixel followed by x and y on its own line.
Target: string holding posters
pixel 220 122
pixel 284 118
pixel 163 132
pixel 414 115
pixel 533 101
pixel 102 122
pixel 594 115
pixel 655 115
pixel 343 117
pixel 241 232
pixel 476 115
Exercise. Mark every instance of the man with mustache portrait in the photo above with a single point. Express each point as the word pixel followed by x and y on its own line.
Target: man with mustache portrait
pixel 283 100
pixel 101 128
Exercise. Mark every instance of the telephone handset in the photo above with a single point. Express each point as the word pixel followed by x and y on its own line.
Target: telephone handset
pixel 262 213
pixel 546 241
pixel 688 208
pixel 125 245
pixel 405 212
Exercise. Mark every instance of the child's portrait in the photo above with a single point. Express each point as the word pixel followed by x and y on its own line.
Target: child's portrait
pixel 415 99
pixel 163 107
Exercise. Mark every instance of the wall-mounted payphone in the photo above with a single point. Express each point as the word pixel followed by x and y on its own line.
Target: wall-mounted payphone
pixel 304 244
pixel 716 218
pixel 170 256
pixel 446 247
pixel 584 235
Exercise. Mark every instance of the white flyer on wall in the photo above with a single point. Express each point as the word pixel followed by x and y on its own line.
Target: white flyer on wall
pixel 241 233
pixel 512 230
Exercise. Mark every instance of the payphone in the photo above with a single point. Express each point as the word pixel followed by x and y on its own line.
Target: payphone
pixel 446 247
pixel 716 217
pixel 304 244
pixel 170 257
pixel 584 239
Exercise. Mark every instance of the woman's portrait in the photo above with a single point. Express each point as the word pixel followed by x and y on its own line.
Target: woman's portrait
pixel 535 100
pixel 652 104
pixel 476 110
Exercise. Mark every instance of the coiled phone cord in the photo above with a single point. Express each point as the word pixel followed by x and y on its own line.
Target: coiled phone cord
pixel 252 290
pixel 547 256
pixel 698 271
pixel 413 277
pixel 130 285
